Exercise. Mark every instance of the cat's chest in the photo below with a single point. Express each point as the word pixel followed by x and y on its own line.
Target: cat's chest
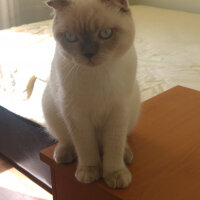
pixel 96 89
pixel 90 87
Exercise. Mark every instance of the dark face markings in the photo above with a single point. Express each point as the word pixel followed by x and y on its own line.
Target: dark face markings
pixel 88 46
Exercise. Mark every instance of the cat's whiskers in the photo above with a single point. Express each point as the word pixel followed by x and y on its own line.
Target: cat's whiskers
pixel 76 72
pixel 70 72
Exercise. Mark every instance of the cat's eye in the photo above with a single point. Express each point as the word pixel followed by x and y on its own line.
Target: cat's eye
pixel 71 37
pixel 106 33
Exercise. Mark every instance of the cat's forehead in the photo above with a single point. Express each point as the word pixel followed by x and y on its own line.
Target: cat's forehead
pixel 88 17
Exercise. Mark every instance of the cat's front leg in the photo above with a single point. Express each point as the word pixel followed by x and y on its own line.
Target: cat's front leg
pixel 89 165
pixel 115 172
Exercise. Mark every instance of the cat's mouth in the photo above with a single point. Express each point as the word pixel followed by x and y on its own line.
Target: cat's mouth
pixel 91 63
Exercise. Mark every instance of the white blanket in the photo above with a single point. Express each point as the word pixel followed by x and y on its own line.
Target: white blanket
pixel 168 48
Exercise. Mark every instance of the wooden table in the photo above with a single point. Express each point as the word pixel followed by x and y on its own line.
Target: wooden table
pixel 166 146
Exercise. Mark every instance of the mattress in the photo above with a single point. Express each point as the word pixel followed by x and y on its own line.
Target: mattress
pixel 167 44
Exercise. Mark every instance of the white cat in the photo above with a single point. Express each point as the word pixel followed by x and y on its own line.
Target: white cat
pixel 92 100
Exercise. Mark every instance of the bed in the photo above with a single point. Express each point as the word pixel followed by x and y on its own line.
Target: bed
pixel 168 49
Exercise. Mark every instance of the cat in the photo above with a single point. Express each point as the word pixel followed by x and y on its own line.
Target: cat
pixel 92 100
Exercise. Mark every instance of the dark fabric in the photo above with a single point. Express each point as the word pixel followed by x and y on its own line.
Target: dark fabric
pixel 21 141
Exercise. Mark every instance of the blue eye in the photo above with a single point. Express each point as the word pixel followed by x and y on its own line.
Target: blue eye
pixel 71 37
pixel 106 33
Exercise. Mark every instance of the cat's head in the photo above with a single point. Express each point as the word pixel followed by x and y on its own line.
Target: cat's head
pixel 92 32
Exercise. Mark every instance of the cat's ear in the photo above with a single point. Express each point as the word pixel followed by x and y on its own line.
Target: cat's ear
pixel 122 4
pixel 58 4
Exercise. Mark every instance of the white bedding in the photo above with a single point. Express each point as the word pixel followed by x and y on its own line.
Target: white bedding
pixel 168 48
pixel 167 44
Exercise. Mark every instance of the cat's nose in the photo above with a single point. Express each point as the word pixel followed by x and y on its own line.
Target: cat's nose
pixel 89 49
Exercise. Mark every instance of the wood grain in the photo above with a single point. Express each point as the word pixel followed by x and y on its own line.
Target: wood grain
pixel 166 146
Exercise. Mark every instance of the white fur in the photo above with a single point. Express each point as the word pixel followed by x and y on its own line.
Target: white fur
pixel 93 109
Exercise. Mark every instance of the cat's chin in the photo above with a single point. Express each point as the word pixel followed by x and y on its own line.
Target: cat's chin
pixel 93 64
pixel 90 63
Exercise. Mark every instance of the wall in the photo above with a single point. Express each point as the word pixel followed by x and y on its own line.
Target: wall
pixel 17 12
pixel 31 11
pixel 185 5
pixel 7 14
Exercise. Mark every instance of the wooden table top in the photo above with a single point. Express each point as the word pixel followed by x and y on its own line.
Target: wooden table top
pixel 166 147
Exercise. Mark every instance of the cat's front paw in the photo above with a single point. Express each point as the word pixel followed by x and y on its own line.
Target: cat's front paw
pixel 64 154
pixel 88 174
pixel 119 179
